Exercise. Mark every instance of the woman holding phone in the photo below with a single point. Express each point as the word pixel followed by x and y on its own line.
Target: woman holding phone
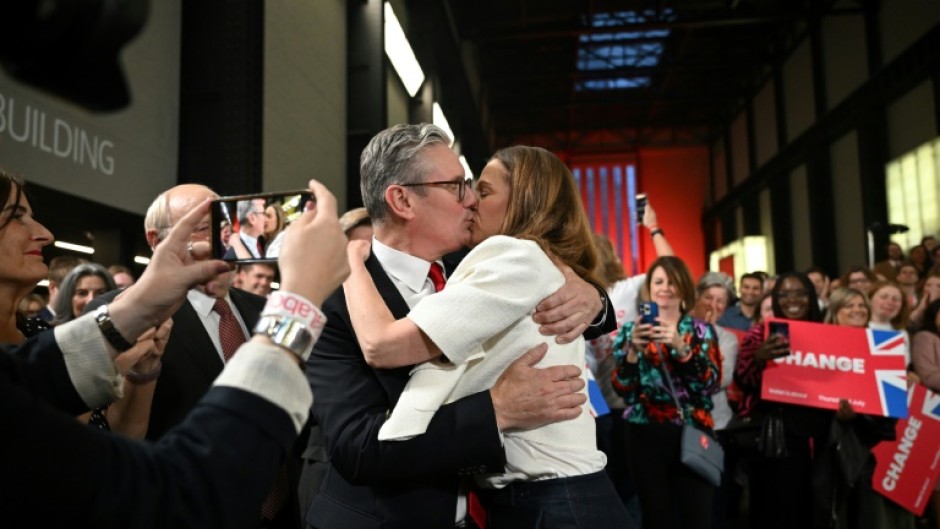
pixel 529 217
pixel 666 341
pixel 786 464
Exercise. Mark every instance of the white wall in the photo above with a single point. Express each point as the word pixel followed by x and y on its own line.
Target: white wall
pixel 911 121
pixel 765 124
pixel 799 218
pixel 903 22
pixel 798 91
pixel 739 152
pixel 851 243
pixel 305 95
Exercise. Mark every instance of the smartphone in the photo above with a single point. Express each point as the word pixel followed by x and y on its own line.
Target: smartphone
pixel 249 228
pixel 780 328
pixel 649 312
pixel 640 207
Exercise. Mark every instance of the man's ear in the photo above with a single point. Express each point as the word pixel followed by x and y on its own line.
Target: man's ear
pixel 153 238
pixel 399 202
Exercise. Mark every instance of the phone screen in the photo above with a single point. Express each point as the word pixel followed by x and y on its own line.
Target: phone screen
pixel 780 328
pixel 249 228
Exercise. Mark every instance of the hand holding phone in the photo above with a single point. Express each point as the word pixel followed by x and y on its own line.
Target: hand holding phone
pixel 777 343
pixel 640 207
pixel 649 312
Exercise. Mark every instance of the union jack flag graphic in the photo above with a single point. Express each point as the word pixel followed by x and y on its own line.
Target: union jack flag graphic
pixel 892 383
pixel 595 398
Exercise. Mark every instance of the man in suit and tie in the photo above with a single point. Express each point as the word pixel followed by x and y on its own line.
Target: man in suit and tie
pixel 421 208
pixel 251 226
pixel 195 354
pixel 207 329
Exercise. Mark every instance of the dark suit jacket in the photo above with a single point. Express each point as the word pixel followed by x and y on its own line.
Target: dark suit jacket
pixel 57 472
pixel 191 363
pixel 398 484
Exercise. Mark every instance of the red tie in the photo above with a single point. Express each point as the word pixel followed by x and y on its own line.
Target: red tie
pixel 230 332
pixel 436 273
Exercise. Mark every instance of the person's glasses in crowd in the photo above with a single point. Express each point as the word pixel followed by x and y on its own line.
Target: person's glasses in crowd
pixel 793 294
pixel 462 184
pixel 859 281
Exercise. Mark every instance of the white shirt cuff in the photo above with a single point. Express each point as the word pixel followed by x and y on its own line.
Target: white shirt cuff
pixel 88 361
pixel 270 373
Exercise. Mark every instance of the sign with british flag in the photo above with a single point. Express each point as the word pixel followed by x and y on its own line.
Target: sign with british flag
pixel 596 400
pixel 907 468
pixel 828 363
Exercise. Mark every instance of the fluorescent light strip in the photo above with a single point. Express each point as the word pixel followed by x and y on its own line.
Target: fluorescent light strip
pixel 400 53
pixel 74 247
pixel 141 260
pixel 439 119
pixel 467 173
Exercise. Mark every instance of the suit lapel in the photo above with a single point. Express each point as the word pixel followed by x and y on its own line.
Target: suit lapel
pixel 248 306
pixel 196 344
pixel 386 288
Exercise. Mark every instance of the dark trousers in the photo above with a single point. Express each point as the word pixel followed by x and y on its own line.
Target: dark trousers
pixel 726 509
pixel 671 494
pixel 580 502
pixel 611 439
pixel 781 489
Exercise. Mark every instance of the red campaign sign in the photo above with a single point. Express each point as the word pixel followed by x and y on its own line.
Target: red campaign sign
pixel 827 363
pixel 906 469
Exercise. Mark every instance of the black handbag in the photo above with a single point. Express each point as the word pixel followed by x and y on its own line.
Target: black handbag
pixel 698 449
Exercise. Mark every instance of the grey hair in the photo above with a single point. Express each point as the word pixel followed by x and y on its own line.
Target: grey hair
pixel 158 216
pixel 63 303
pixel 392 157
pixel 715 279
pixel 244 208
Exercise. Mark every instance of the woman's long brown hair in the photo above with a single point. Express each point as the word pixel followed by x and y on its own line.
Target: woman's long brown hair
pixel 545 207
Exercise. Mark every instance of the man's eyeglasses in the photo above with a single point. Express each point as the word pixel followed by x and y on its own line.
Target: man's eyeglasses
pixel 462 186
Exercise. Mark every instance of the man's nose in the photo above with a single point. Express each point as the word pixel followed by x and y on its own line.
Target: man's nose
pixel 471 200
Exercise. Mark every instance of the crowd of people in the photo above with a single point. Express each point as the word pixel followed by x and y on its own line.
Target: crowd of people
pixel 447 332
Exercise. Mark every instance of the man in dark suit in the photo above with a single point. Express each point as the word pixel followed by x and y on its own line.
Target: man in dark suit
pixel 421 207
pixel 194 354
pixel 213 469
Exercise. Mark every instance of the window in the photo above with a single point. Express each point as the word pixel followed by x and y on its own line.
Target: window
pixel 913 187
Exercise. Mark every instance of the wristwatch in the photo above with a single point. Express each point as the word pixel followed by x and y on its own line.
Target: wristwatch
pixel 288 333
pixel 106 326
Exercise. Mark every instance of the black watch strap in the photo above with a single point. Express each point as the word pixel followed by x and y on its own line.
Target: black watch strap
pixel 106 326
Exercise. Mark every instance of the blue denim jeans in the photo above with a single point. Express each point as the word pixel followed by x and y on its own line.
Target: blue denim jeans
pixel 580 502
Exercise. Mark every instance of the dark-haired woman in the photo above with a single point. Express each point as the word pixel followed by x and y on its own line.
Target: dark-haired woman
pixel 780 483
pixel 21 266
pixel 686 350
pixel 22 239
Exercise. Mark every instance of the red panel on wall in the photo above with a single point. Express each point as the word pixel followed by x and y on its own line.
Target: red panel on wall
pixel 726 265
pixel 675 180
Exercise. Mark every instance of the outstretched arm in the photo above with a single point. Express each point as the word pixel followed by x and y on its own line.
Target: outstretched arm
pixel 386 342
